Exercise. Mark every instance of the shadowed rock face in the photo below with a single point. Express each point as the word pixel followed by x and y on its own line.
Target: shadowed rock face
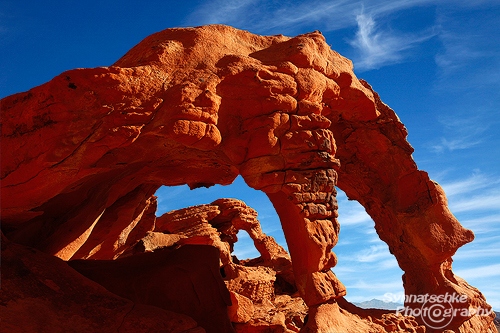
pixel 83 154
pixel 41 293
pixel 186 280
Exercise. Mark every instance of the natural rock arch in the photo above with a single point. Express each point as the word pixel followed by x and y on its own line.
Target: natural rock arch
pixel 199 106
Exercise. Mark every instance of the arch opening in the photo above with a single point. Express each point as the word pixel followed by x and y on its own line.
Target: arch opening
pixel 366 267
pixel 179 197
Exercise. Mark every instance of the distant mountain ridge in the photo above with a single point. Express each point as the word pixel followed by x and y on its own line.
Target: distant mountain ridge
pixel 378 304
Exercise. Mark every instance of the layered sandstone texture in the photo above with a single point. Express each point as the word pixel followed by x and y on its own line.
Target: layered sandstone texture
pixel 83 155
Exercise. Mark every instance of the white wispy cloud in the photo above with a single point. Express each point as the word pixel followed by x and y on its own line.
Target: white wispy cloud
pixel 463 44
pixel 244 248
pixel 351 213
pixel 244 251
pixel 223 12
pixel 373 254
pixel 353 217
pixel 379 286
pixel 492 296
pixel 486 201
pixel 478 253
pixel 469 59
pixel 389 263
pixel 264 16
pixel 484 247
pixel 462 132
pixel 458 50
pixel 378 48
pixel 479 272
pixel 375 45
pixel 344 270
pixel 483 225
pixel 475 200
pixel 474 182
pixel 324 15
pixel 456 144
pixel 478 192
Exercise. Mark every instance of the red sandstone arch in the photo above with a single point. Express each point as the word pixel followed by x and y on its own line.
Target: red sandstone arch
pixel 199 106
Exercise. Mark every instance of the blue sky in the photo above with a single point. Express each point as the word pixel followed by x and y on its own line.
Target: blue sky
pixel 435 62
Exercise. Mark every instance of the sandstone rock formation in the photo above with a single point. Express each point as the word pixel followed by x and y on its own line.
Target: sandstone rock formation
pixel 185 280
pixel 41 293
pixel 263 291
pixel 83 154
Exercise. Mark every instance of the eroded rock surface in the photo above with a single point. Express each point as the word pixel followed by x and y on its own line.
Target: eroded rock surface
pixel 185 280
pixel 263 291
pixel 41 293
pixel 83 154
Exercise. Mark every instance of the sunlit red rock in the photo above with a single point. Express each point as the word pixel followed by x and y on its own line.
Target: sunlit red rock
pixel 83 154
pixel 241 310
